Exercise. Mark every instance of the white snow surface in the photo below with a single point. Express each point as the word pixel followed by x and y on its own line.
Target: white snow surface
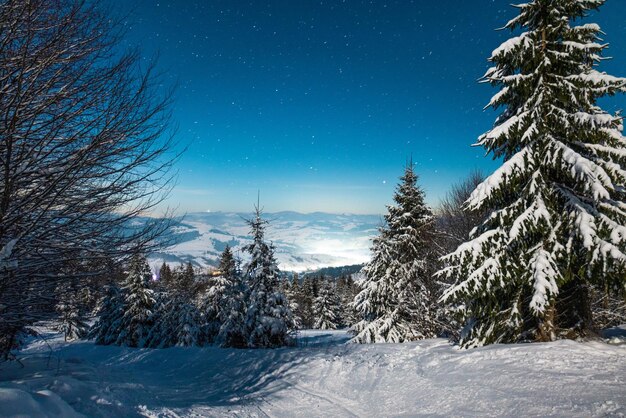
pixel 323 376
pixel 303 241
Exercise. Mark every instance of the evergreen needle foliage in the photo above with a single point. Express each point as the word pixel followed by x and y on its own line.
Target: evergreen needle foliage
pixel 395 302
pixel 327 308
pixel 269 321
pixel 556 210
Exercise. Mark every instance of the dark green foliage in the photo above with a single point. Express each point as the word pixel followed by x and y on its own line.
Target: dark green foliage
pixel 269 322
pixel 327 307
pixel 556 217
pixel 107 328
pixel 396 300
pixel 139 304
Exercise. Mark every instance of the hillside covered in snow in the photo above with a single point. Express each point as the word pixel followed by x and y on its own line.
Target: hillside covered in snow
pixel 303 241
pixel 322 377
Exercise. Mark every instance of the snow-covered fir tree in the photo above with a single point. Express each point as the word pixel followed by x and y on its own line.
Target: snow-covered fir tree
pixel 269 321
pixel 165 320
pixel 166 276
pixel 139 304
pixel 326 307
pixel 291 289
pixel 215 301
pixel 307 294
pixel 347 290
pixel 557 213
pixel 395 302
pixel 72 321
pixel 107 327
pixel 184 281
pixel 189 330
pixel 233 332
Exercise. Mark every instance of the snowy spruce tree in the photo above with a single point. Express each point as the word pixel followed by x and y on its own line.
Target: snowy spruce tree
pixel 72 321
pixel 269 321
pixel 139 304
pixel 233 332
pixel 556 206
pixel 395 303
pixel 183 281
pixel 71 310
pixel 326 308
pixel 307 294
pixel 347 289
pixel 166 276
pixel 165 319
pixel 107 328
pixel 215 301
pixel 189 331
pixel 291 289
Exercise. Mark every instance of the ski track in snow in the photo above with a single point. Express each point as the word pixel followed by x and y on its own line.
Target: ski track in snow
pixel 321 377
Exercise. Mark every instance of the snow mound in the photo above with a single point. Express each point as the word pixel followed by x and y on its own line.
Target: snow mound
pixel 44 403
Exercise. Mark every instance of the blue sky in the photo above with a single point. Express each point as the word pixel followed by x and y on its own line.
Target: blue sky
pixel 318 104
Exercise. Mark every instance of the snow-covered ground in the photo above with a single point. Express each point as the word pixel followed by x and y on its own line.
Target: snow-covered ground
pixel 321 377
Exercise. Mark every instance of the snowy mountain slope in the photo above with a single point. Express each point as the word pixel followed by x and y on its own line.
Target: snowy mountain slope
pixel 322 377
pixel 303 241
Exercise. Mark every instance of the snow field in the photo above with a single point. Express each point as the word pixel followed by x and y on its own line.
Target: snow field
pixel 321 377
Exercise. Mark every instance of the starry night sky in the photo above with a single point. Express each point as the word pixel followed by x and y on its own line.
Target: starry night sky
pixel 319 104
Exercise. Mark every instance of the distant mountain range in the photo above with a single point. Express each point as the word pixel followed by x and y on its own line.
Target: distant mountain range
pixel 303 241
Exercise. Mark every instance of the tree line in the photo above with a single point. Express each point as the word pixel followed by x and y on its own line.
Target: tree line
pixel 240 307
pixel 251 305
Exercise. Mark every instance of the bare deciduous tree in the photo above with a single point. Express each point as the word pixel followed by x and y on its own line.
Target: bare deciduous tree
pixel 454 220
pixel 85 149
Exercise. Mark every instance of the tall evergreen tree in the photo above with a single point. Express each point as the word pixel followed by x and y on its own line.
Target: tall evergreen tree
pixel 233 331
pixel 326 307
pixel 72 321
pixel 215 301
pixel 557 218
pixel 71 310
pixel 139 304
pixel 166 276
pixel 189 330
pixel 347 291
pixel 166 318
pixel 269 321
pixel 395 302
pixel 107 327
pixel 308 292
pixel 291 290
pixel 185 281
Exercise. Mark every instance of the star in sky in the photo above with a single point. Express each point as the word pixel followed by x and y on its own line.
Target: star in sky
pixel 319 103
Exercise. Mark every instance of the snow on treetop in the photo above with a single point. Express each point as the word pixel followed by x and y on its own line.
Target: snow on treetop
pixel 509 45
pixel 591 27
